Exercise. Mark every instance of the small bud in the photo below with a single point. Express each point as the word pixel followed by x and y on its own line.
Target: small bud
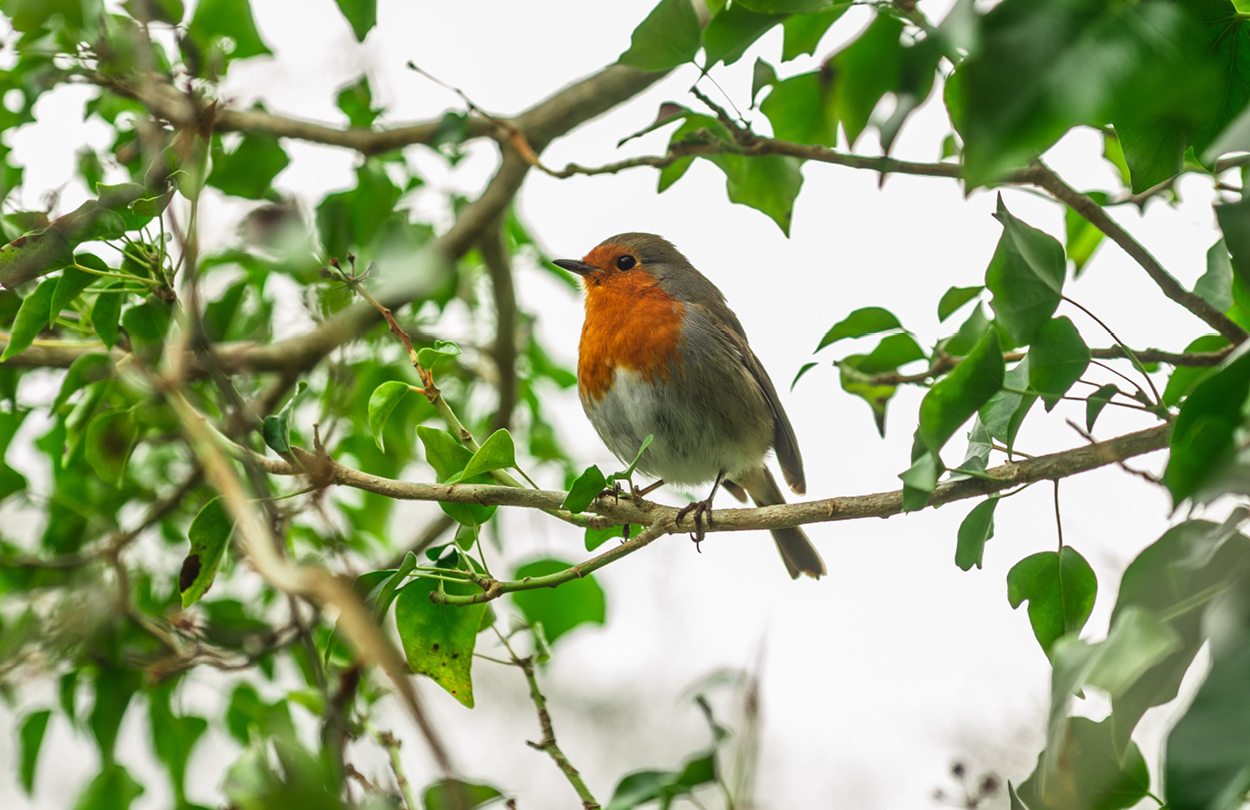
pixel 958 770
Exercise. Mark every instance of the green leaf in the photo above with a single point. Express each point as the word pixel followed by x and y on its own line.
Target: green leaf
pixel 768 183
pixel 597 537
pixel 920 480
pixel 1092 773
pixel 786 6
pixel 32 255
pixel 865 321
pixel 216 19
pixel 801 109
pixel 762 75
pixel 148 322
pixel 890 353
pixel 1216 284
pixel 867 69
pixel 449 458
pixel 113 788
pixel 356 102
pixel 974 531
pixel 803 369
pixel 672 173
pixel 438 640
pixel 858 384
pixel 668 37
pixel 1154 150
pixel 114 688
pixel 496 453
pixel 956 397
pixel 954 298
pixel 31 735
pixel 560 609
pixel 1026 277
pixel 174 738
pixel 1203 435
pixel 209 535
pixel 1059 587
pixel 732 31
pixel 442 795
pixel 1081 237
pixel 442 349
pixel 70 284
pixel 86 369
pixel 110 439
pixel 1057 359
pixel 1234 219
pixel 584 490
pixel 1095 402
pixel 361 14
pixel 382 403
pixel 249 170
pixel 1184 378
pixel 32 318
pixel 106 312
pixel 803 32
pixel 275 429
pixel 1226 43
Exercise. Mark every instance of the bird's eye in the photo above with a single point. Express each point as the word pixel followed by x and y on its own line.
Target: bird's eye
pixel 625 262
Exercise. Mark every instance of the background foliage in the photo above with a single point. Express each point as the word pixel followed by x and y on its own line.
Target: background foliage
pixel 266 463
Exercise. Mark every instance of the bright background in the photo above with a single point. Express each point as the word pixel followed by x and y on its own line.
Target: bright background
pixel 875 679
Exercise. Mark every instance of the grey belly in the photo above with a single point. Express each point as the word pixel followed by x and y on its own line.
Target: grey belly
pixel 698 432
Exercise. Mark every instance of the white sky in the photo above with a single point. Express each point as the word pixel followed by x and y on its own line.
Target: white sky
pixel 875 678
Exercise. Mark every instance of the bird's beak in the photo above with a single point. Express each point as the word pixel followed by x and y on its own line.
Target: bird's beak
pixel 574 266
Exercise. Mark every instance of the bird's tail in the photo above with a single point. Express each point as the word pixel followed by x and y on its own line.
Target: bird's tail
pixel 797 552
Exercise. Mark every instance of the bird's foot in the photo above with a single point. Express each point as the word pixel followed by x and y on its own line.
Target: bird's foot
pixel 702 510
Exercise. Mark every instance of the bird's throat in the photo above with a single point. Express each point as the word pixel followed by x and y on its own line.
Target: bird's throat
pixel 630 323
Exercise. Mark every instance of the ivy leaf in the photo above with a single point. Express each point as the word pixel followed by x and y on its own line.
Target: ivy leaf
pixel 496 453
pixel 956 397
pixel 438 640
pixel 768 183
pixel 275 429
pixel 1059 587
pixel 1057 359
pixel 584 490
pixel 559 610
pixel 382 403
pixel 362 15
pixel 890 353
pixel 954 298
pixel 867 69
pixel 803 32
pixel 1026 277
pixel 732 31
pixel 865 321
pixel 801 109
pixel 1096 401
pixel 974 531
pixel 110 439
pixel 668 37
pixel 209 535
pixel 1154 149
pixel 32 318
pixel 449 458
pixel 442 349
pixel 1203 435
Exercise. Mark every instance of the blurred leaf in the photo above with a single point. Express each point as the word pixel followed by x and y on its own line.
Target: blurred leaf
pixel 106 312
pixel 174 737
pixel 438 640
pixel 356 102
pixel 1081 237
pixel 1057 359
pixel 110 439
pixel 361 14
pixel 381 403
pixel 441 795
pixel 584 490
pixel 954 298
pixel 1059 587
pixel 31 734
pixel 1026 277
pixel 729 34
pixel 442 349
pixel 865 321
pixel 147 322
pixel 217 19
pixel 560 609
pixel 1092 775
pixel 86 369
pixel 762 75
pixel 668 37
pixel 209 535
pixel 1234 219
pixel 33 255
pixel 1203 434
pixel 956 397
pixel 786 6
pixel 168 11
pixel 32 318
pixel 801 109
pixel 1096 402
pixel 974 531
pixel 249 170
pixel 114 687
pixel 867 69
pixel 597 537
pixel 1216 284
pixel 803 32
pixel 1153 150
pixel 69 285
pixel 1184 378
pixel 275 429
pixel 113 788
pixel 1226 43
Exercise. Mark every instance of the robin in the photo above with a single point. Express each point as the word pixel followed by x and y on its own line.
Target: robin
pixel 661 354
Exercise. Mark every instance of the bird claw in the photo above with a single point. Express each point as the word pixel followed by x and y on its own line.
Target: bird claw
pixel 702 510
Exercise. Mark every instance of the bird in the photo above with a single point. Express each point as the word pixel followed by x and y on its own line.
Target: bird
pixel 662 354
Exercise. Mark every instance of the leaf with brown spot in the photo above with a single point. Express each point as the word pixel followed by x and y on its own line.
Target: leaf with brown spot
pixel 209 534
pixel 439 639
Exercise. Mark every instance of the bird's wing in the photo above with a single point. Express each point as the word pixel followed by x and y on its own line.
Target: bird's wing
pixel 784 440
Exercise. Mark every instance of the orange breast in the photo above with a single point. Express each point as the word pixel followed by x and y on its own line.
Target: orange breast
pixel 630 323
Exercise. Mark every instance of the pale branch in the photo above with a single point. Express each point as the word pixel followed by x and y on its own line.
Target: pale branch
pixel 504 350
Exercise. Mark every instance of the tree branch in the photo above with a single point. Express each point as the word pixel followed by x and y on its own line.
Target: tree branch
pixel 504 350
